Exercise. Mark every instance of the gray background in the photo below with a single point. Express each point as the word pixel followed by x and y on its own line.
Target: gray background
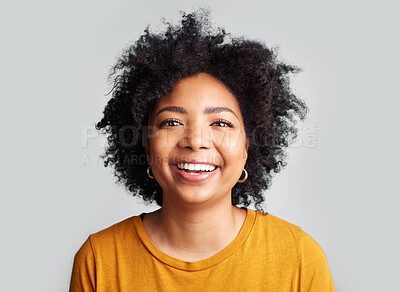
pixel 340 182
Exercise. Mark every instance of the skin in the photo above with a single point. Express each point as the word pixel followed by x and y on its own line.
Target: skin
pixel 197 219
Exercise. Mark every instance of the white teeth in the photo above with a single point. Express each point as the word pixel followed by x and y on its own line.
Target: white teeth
pixel 201 167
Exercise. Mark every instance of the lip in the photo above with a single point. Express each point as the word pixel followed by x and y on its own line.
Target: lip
pixel 194 177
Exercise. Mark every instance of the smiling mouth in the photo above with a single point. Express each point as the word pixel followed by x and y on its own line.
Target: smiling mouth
pixel 196 168
pixel 195 173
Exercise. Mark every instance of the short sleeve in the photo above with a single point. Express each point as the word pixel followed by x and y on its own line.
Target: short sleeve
pixel 315 273
pixel 83 277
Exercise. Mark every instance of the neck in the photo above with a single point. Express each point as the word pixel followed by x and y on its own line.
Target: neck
pixel 195 232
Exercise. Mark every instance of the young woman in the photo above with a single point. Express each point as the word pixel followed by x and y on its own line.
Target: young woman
pixel 197 124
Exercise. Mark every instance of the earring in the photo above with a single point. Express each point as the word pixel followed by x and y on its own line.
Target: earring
pixel 246 175
pixel 148 172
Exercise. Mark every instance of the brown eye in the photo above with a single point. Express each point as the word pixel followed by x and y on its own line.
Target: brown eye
pixel 223 123
pixel 170 123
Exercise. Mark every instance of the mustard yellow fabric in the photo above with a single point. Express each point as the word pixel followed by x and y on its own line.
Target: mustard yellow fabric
pixel 268 254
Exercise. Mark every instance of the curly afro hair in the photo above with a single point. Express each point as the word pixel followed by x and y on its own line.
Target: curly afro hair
pixel 149 70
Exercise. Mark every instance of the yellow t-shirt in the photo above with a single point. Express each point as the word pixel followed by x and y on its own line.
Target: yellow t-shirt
pixel 268 254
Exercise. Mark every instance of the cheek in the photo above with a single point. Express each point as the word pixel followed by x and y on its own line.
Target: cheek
pixel 161 145
pixel 230 141
pixel 167 138
pixel 231 146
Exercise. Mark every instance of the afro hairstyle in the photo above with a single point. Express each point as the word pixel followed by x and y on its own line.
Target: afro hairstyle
pixel 149 69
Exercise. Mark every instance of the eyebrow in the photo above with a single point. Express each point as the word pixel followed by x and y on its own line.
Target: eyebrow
pixel 208 110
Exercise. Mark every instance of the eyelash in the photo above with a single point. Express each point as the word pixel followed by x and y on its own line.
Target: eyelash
pixel 164 123
pixel 225 122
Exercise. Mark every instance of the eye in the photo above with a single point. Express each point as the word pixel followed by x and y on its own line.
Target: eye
pixel 223 123
pixel 170 123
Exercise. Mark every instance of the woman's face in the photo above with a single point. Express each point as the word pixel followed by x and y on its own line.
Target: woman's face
pixel 196 141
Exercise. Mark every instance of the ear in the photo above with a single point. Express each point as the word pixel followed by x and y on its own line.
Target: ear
pixel 246 149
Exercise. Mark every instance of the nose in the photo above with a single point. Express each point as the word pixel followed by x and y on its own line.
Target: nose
pixel 195 137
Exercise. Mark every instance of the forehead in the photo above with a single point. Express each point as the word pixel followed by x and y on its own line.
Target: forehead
pixel 195 93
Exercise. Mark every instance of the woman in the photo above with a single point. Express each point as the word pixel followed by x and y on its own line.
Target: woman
pixel 198 124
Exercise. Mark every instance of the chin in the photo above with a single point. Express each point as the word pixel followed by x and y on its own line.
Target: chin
pixel 194 195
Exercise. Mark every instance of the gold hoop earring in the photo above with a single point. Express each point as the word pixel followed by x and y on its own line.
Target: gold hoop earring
pixel 246 175
pixel 148 172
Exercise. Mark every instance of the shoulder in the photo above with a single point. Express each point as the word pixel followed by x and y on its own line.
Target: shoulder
pixel 287 239
pixel 108 236
pixel 106 241
pixel 280 230
pixel 99 248
pixel 113 235
pixel 116 229
pixel 287 236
